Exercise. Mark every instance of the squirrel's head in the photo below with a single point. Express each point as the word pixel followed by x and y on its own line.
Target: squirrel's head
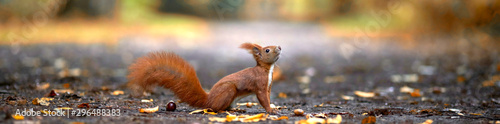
pixel 263 55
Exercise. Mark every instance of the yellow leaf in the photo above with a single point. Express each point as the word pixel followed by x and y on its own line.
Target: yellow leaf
pixel 147 100
pixel 315 120
pixel 148 110
pixel 428 121
pixel 117 92
pixel 281 118
pixel 230 117
pixel 207 112
pixel 18 117
pixel 255 116
pixel 337 120
pixel 217 119
pixel 196 111
pixel 364 94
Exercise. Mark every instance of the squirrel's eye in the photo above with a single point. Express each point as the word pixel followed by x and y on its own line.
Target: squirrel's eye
pixel 267 50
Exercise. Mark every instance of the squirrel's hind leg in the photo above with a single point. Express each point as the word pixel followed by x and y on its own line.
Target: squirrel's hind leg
pixel 221 96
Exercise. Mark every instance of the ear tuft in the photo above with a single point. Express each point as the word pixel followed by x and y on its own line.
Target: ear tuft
pixel 252 48
pixel 247 46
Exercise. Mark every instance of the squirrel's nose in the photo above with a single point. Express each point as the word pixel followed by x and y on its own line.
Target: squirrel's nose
pixel 279 48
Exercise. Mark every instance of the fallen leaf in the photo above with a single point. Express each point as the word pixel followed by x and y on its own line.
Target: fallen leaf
pixel 347 97
pixel 66 85
pixel 369 120
pixel 416 93
pixel 364 94
pixel 321 105
pixel 84 105
pixel 255 116
pixel 478 114
pixel 231 117
pixel 316 120
pixel 52 94
pixel 207 112
pixel 63 91
pixel 488 83
pixel 217 119
pixel 428 121
pixel 42 101
pixel 117 92
pixel 35 101
pixel 460 79
pixel 282 95
pixel 147 100
pixel 406 89
pixel 280 118
pixel 63 108
pixel 196 111
pixel 148 110
pixel 42 86
pixel 337 120
pixel 18 117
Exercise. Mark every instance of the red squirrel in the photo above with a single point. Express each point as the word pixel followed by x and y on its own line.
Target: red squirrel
pixel 172 72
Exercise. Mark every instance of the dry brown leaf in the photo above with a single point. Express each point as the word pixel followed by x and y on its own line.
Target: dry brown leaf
pixel 148 110
pixel 66 85
pixel 364 94
pixel 369 120
pixel 460 79
pixel 282 95
pixel 416 93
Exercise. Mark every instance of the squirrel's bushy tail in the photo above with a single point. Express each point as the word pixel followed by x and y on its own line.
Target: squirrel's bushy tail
pixel 170 71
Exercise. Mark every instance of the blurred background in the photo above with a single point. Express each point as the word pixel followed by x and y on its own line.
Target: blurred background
pixel 330 47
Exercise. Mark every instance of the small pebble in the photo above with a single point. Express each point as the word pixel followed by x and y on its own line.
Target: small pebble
pixel 298 112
